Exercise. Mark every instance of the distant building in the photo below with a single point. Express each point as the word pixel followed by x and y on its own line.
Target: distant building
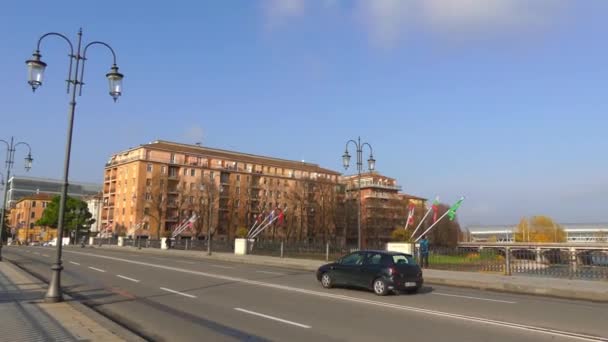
pixel 95 204
pixel 20 187
pixel 383 207
pixel 23 216
pixel 575 232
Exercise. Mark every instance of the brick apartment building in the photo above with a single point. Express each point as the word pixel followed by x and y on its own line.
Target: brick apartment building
pixel 23 216
pixel 148 190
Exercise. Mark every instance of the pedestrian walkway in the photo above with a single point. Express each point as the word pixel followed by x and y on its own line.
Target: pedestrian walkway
pixel 25 317
pixel 561 288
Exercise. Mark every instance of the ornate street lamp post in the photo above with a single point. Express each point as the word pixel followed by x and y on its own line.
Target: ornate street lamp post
pixel 35 67
pixel 371 164
pixel 11 147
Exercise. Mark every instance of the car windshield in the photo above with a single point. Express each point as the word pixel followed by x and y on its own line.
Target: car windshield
pixel 402 259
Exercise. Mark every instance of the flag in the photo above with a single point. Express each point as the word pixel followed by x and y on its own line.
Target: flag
pixel 435 209
pixel 281 217
pixel 410 215
pixel 259 217
pixel 452 210
pixel 271 216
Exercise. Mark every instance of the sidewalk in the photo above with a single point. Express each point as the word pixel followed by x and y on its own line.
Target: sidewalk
pixel 554 287
pixel 25 316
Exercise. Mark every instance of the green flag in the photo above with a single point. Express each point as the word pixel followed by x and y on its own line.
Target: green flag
pixel 452 210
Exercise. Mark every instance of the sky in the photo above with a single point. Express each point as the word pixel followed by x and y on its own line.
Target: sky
pixel 501 101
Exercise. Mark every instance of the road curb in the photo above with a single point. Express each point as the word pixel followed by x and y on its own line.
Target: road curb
pixel 499 285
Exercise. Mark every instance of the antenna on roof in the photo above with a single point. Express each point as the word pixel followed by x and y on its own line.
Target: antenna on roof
pixel 198 143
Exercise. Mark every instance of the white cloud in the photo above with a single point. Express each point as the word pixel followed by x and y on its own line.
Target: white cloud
pixel 278 11
pixel 193 134
pixel 384 19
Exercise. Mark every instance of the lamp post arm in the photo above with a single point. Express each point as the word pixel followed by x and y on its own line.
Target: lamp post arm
pixel 354 142
pixel 84 58
pixel 72 56
pixel 371 151
pixel 26 144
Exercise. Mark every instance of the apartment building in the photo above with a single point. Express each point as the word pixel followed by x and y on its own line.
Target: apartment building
pixel 383 207
pixel 23 216
pixel 150 189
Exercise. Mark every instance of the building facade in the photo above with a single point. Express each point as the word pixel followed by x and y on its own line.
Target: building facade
pixel 23 216
pixel 383 208
pixel 95 205
pixel 20 187
pixel 149 190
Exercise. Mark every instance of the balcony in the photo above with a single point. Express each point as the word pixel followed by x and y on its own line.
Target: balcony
pixel 173 176
pixel 173 191
pixel 355 186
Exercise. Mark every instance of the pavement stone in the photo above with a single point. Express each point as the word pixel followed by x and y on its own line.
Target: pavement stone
pixel 593 290
pixel 24 316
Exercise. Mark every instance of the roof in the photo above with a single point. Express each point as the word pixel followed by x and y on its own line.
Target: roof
pixel 36 197
pixel 245 157
pixel 408 196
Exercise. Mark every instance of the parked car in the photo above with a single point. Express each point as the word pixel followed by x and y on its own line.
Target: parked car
pixel 379 271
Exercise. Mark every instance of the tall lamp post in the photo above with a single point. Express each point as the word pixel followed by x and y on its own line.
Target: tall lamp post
pixel 75 80
pixel 371 164
pixel 11 148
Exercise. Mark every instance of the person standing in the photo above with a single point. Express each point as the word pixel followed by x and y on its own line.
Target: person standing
pixel 424 251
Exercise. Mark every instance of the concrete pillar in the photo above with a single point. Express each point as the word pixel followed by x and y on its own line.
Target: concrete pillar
pixel 91 240
pixel 163 243
pixel 240 246
pixel 539 255
pixel 121 241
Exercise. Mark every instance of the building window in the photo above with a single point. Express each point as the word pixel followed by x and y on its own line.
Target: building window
pixel 32 225
pixel 191 186
pixel 211 174
pixel 149 168
pixel 192 172
pixel 44 204
pixel 148 196
pixel 265 181
pixel 123 211
pixel 275 171
pixel 32 214
pixel 163 170
pixel 33 204
pixel 237 203
pixel 238 178
pixel 148 181
pixel 191 200
pixel 173 159
pixel 185 172
pixel 238 190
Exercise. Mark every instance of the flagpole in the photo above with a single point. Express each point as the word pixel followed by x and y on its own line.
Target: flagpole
pixel 422 221
pixel 267 225
pixel 433 225
pixel 260 225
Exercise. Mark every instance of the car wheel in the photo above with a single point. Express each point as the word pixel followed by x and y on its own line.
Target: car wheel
pixel 326 280
pixel 380 287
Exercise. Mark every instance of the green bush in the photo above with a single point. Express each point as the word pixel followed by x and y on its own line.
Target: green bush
pixel 241 233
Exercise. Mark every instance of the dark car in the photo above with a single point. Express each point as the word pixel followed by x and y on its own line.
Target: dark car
pixel 379 271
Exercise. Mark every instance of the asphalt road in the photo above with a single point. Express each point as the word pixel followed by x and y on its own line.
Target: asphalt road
pixel 179 299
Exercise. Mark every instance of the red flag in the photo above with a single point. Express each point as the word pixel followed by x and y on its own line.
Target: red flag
pixel 281 216
pixel 410 216
pixel 435 212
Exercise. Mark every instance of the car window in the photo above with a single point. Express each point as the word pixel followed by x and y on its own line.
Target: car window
pixel 401 259
pixel 374 259
pixel 353 259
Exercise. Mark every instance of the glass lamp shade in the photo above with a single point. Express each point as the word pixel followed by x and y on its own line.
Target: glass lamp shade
pixel 115 82
pixel 35 71
pixel 28 162
pixel 345 159
pixel 371 163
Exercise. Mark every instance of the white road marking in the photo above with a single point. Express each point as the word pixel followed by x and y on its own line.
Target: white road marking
pixel 273 318
pixel 177 292
pixel 75 263
pixel 127 278
pixel 97 269
pixel 504 324
pixel 268 272
pixel 220 266
pixel 477 298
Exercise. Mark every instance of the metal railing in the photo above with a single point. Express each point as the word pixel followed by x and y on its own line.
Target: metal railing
pixel 555 263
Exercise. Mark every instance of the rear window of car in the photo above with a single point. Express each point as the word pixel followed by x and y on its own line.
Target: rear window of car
pixel 401 259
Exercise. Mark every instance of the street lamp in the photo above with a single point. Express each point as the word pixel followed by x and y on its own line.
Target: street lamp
pixel 11 147
pixel 371 165
pixel 35 67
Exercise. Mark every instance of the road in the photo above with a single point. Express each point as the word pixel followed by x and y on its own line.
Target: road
pixel 180 299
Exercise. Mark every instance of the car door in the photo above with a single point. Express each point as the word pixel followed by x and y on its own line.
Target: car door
pixel 345 271
pixel 370 269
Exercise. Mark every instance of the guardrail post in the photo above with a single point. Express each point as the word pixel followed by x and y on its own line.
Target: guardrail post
pixel 327 251
pixel 508 261
pixel 281 249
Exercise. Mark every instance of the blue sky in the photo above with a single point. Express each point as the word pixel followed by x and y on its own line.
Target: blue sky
pixel 503 101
